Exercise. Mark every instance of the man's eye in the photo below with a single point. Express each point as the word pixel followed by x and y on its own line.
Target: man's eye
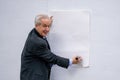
pixel 44 25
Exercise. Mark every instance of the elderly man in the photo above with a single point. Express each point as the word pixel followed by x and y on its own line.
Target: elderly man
pixel 37 58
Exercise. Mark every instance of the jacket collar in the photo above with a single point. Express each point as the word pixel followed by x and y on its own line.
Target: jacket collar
pixel 36 32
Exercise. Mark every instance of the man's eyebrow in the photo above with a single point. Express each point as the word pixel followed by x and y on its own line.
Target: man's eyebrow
pixel 45 25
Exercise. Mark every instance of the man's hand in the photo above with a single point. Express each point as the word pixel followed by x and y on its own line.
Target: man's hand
pixel 77 60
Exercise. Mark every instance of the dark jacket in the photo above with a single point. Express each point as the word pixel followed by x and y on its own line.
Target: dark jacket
pixel 37 59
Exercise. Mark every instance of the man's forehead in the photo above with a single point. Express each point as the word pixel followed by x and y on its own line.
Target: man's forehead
pixel 48 21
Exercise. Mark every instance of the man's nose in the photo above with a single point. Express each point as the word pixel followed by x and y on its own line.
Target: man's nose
pixel 47 28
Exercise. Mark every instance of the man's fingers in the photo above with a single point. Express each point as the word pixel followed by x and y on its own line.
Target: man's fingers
pixel 79 58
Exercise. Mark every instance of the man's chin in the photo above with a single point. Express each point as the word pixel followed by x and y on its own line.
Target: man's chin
pixel 44 35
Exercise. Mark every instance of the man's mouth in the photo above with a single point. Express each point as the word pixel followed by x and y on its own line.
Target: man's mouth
pixel 45 32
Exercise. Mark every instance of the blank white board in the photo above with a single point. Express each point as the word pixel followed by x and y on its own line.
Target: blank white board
pixel 69 35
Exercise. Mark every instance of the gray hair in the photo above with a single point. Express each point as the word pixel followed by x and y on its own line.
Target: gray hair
pixel 39 17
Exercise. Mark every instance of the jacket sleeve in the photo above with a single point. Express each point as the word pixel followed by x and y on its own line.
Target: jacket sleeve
pixel 39 48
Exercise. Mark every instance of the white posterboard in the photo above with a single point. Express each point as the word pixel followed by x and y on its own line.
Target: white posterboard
pixel 69 35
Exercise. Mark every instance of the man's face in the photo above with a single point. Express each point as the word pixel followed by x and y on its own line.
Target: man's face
pixel 44 28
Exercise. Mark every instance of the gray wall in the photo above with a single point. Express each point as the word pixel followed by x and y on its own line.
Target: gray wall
pixel 17 19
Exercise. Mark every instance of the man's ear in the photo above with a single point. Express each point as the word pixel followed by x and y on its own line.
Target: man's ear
pixel 51 17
